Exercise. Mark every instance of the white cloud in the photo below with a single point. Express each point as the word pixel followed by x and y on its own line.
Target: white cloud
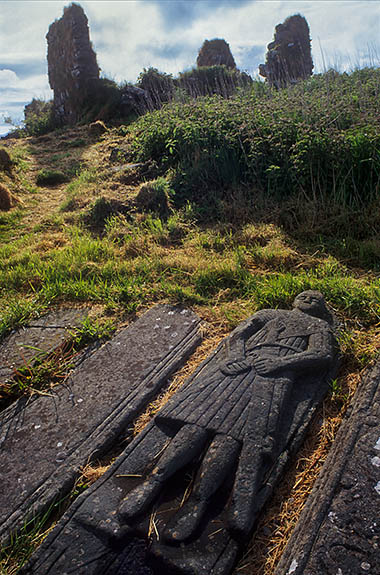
pixel 8 79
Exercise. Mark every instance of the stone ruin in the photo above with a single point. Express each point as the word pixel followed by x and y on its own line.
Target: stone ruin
pixel 215 53
pixel 72 65
pixel 288 58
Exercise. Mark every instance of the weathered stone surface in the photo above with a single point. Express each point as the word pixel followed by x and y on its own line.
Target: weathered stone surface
pixel 338 532
pixel 215 53
pixel 45 440
pixel 72 65
pixel 39 337
pixel 288 58
pixel 191 485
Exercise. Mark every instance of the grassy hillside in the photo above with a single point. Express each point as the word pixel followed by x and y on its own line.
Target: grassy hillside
pixel 257 197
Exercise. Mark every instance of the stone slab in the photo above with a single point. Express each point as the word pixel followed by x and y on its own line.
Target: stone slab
pixel 40 336
pixel 45 439
pixel 184 496
pixel 338 532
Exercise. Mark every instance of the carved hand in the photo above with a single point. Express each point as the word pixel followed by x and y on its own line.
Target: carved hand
pixel 236 366
pixel 265 365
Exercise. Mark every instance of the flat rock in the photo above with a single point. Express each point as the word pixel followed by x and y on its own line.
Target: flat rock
pixel 45 439
pixel 184 496
pixel 338 532
pixel 39 337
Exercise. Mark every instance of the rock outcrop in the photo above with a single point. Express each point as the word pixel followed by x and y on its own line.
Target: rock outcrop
pixel 288 58
pixel 215 53
pixel 72 64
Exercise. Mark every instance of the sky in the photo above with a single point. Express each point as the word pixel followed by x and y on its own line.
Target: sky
pixel 167 34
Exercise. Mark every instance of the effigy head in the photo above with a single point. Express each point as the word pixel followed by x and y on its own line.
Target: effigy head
pixel 313 303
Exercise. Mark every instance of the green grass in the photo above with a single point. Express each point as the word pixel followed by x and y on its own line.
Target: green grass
pixel 9 221
pixel 75 188
pixel 132 271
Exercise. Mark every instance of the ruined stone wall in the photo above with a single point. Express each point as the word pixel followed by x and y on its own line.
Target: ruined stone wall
pixel 215 53
pixel 288 58
pixel 72 63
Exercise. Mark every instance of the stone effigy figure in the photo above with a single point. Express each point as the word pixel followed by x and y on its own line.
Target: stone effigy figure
pixel 238 409
pixel 203 468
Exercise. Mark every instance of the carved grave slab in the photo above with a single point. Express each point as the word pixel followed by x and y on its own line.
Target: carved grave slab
pixel 45 439
pixel 184 496
pixel 338 532
pixel 39 337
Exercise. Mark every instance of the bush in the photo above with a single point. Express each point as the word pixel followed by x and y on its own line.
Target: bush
pixel 6 162
pixel 158 86
pixel 38 117
pixel 102 101
pixel 101 210
pixel 320 139
pixel 154 197
pixel 209 80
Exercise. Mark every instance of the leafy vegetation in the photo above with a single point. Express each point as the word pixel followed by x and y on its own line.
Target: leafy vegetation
pixel 38 117
pixel 318 141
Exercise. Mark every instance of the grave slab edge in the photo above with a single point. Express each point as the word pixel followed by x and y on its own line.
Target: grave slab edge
pixel 300 546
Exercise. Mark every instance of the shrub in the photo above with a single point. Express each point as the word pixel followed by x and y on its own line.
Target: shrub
pixel 154 197
pixel 38 117
pixel 158 86
pixel 101 210
pixel 319 139
pixel 6 163
pixel 209 80
pixel 97 128
pixel 102 101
